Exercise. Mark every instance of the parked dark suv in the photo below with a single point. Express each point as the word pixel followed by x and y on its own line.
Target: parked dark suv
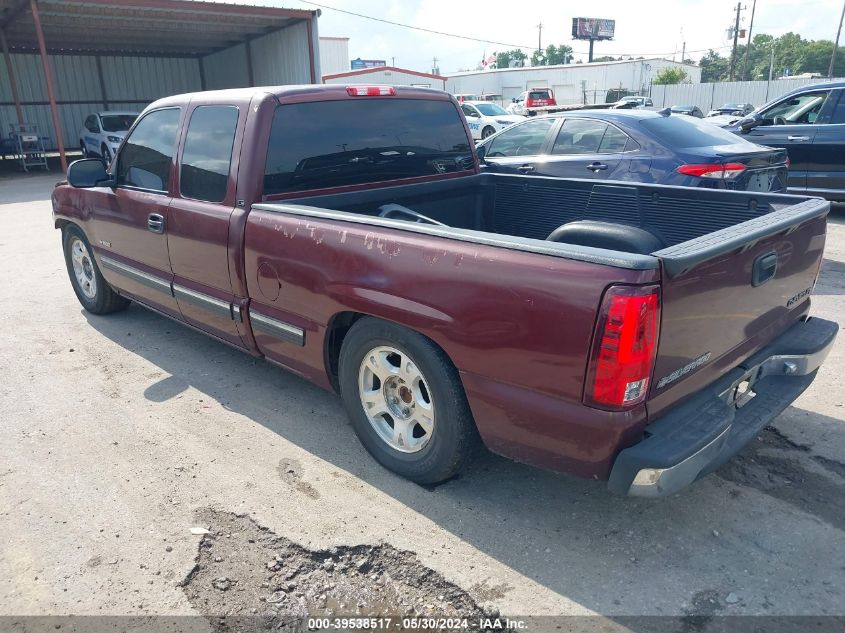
pixel 809 123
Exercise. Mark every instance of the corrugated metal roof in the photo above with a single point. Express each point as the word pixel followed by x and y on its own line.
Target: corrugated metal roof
pixel 162 27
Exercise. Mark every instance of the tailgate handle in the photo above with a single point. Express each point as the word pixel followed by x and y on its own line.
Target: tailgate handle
pixel 765 267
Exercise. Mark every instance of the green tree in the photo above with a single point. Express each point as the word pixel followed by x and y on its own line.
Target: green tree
pixel 605 58
pixel 670 76
pixel 714 67
pixel 552 55
pixel 503 60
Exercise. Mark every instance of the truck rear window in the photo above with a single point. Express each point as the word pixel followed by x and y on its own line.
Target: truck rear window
pixel 337 143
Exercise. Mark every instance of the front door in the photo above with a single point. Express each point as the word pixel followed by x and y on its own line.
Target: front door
pixel 130 222
pixel 826 176
pixel 200 212
pixel 792 124
pixel 518 148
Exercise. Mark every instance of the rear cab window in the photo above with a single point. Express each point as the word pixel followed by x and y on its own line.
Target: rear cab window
pixel 327 144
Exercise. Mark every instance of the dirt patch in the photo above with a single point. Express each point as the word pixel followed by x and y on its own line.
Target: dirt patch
pixel 248 578
pixel 786 478
pixel 290 470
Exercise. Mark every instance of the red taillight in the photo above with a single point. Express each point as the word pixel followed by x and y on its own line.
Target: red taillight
pixel 714 170
pixel 624 347
pixel 371 91
pixel 552 101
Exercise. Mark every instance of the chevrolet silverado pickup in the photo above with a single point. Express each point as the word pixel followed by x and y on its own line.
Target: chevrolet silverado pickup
pixel 640 334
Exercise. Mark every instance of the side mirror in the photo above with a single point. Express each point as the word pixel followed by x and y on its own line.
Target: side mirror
pixel 481 151
pixel 750 122
pixel 87 173
pixel 513 100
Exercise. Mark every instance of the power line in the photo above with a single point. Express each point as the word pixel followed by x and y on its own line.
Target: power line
pixel 483 41
pixel 416 28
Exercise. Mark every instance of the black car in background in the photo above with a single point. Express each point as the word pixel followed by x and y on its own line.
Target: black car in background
pixel 732 109
pixel 688 110
pixel 809 123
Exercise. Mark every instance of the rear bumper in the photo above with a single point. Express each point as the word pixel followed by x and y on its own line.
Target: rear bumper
pixel 704 432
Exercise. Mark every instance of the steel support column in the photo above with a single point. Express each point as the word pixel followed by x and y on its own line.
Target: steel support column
pixel 311 50
pixel 11 73
pixel 48 76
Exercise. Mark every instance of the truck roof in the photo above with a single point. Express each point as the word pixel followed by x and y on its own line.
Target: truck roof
pixel 297 93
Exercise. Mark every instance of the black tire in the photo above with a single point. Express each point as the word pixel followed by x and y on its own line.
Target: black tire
pixel 454 440
pixel 83 148
pixel 104 300
pixel 487 131
pixel 106 155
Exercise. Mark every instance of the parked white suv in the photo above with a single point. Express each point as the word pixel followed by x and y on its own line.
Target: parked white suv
pixel 485 118
pixel 103 132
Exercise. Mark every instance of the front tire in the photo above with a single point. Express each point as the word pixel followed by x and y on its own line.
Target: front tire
pixel 487 131
pixel 406 402
pixel 84 149
pixel 106 154
pixel 92 290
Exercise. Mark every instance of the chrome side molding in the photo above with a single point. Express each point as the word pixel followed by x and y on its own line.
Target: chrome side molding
pixel 279 329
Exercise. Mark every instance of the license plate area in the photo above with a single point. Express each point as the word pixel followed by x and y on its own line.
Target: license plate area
pixel 761 181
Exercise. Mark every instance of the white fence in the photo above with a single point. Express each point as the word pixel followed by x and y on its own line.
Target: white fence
pixel 713 95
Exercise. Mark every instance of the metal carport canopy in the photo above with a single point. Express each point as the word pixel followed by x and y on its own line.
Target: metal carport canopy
pixel 168 28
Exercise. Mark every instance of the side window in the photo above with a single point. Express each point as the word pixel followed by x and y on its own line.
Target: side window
pixel 204 174
pixel 800 109
pixel 91 124
pixel 839 112
pixel 144 162
pixel 614 141
pixel 469 111
pixel 580 136
pixel 521 140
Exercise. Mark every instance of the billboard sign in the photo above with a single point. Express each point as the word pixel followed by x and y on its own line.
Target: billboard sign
pixel 360 64
pixel 593 29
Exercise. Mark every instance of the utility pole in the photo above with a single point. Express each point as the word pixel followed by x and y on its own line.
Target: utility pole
pixel 393 62
pixel 683 52
pixel 736 37
pixel 772 61
pixel 748 43
pixel 434 69
pixel 836 43
pixel 540 38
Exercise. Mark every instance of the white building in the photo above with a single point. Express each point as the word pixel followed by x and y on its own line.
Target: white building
pixel 571 83
pixel 334 55
pixel 387 75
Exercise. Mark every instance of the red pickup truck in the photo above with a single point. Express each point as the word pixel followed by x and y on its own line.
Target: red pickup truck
pixel 636 333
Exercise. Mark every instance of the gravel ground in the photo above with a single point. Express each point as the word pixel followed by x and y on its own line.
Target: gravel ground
pixel 122 433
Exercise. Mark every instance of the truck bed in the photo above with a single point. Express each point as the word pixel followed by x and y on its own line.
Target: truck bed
pixel 458 285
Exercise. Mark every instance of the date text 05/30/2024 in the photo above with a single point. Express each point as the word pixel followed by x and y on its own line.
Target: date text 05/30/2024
pixel 429 624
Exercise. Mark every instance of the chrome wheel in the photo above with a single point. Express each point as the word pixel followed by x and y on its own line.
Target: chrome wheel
pixel 396 399
pixel 83 268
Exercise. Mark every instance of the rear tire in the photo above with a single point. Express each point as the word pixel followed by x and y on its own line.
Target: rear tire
pixel 406 402
pixel 487 131
pixel 92 290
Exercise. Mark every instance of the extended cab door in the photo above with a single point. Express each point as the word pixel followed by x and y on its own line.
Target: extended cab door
pixel 130 222
pixel 200 213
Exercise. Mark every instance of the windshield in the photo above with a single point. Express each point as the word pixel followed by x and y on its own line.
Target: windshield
pixel 490 109
pixel 117 122
pixel 689 132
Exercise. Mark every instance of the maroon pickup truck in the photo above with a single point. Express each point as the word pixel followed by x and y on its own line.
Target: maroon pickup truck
pixel 636 333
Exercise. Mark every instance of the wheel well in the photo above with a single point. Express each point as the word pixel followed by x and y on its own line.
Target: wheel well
pixel 61 224
pixel 335 333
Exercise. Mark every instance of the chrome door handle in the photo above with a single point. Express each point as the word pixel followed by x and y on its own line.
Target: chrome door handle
pixel 525 169
pixel 155 223
pixel 596 166
pixel 797 138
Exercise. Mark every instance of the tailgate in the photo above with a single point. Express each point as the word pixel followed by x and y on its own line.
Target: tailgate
pixel 727 294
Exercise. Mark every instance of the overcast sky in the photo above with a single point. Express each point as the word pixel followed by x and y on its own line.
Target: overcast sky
pixel 642 28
